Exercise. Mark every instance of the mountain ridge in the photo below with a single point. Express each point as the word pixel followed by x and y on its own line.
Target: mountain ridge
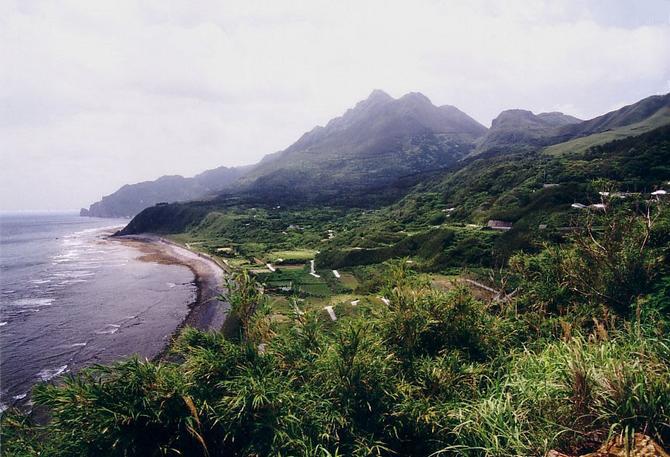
pixel 518 129
pixel 130 199
pixel 385 145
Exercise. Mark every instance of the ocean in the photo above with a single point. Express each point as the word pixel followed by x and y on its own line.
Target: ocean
pixel 71 297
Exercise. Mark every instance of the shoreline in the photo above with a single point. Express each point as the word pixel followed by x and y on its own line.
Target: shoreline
pixel 206 312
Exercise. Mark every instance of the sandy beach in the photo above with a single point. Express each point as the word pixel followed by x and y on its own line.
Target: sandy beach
pixel 207 312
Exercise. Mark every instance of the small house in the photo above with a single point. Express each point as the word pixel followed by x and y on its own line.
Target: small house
pixel 498 225
pixel 578 206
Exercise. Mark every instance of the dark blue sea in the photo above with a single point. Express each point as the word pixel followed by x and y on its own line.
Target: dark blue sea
pixel 70 296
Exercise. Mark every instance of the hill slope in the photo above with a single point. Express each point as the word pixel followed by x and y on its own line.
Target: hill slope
pixel 533 188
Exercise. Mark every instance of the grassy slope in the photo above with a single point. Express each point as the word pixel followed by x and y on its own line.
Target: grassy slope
pixel 659 119
pixel 511 186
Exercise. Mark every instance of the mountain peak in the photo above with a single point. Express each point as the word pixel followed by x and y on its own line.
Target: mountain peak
pixel 513 115
pixel 415 97
pixel 558 119
pixel 379 95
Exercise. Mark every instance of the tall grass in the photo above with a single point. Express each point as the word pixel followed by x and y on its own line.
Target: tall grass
pixel 570 395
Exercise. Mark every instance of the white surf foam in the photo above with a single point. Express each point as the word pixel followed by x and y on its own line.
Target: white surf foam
pixel 33 302
pixel 72 281
pixel 49 373
pixel 74 274
pixel 109 329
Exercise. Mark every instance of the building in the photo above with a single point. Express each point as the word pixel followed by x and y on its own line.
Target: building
pixel 498 225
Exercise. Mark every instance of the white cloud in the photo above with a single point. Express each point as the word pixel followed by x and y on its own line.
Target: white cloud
pixel 97 94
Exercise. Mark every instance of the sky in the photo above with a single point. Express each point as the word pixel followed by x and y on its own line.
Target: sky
pixel 97 94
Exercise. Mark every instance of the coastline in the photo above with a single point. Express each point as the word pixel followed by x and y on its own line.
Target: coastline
pixel 206 312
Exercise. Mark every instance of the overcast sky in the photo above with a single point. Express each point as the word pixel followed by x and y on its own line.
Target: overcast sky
pixel 96 94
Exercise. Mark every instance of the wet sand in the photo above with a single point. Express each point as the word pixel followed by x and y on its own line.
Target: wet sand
pixel 207 312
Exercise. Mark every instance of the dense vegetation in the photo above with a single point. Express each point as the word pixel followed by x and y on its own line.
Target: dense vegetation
pixel 580 351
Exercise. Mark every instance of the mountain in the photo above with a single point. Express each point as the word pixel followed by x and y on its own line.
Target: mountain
pixel 515 130
pixel 133 198
pixel 375 145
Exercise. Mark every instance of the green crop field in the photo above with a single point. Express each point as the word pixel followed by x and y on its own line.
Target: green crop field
pixel 291 256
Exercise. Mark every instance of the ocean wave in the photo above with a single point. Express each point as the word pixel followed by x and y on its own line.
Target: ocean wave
pixel 67 256
pixel 49 373
pixel 74 274
pixel 72 242
pixel 91 231
pixel 40 281
pixel 93 264
pixel 108 329
pixel 2 324
pixel 23 302
pixel 72 281
pixel 19 396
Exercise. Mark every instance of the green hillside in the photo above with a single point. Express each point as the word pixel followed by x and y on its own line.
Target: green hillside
pixel 658 119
